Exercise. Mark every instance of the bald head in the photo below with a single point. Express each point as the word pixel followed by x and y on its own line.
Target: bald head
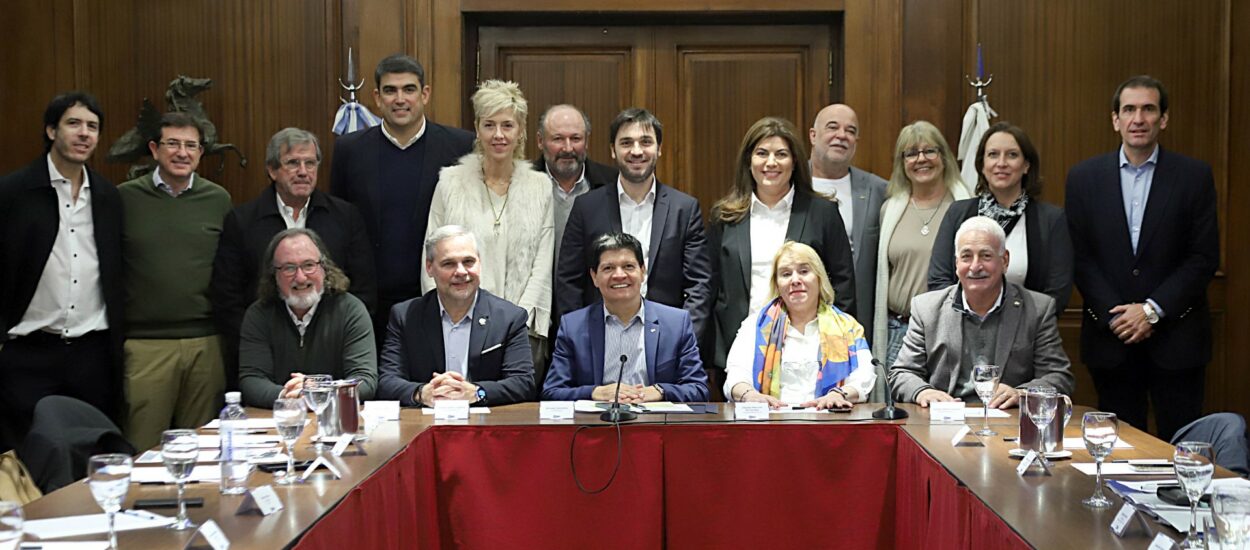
pixel 562 135
pixel 834 137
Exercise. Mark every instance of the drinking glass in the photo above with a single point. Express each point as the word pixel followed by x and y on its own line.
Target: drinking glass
pixel 109 478
pixel 288 415
pixel 1194 462
pixel 10 524
pixel 179 450
pixel 317 391
pixel 1100 431
pixel 986 378
pixel 1040 405
pixel 1230 505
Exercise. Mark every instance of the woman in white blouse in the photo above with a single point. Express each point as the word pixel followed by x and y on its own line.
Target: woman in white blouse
pixel 497 194
pixel 800 349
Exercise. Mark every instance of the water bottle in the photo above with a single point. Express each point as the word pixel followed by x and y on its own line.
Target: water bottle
pixel 234 465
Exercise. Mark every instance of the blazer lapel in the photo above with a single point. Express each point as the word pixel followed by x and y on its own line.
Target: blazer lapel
pixel 595 322
pixel 1038 268
pixel 433 319
pixel 652 337
pixel 798 216
pixel 477 333
pixel 614 208
pixel 1008 325
pixel 1161 187
pixel 859 211
pixel 952 338
pixel 659 219
pixel 739 237
pixel 1108 193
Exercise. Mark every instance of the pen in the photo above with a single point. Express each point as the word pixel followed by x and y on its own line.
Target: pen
pixel 1146 462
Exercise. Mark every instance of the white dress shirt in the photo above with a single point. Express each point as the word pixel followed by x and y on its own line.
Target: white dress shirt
pixel 168 189
pixel 1018 246
pixel 768 232
pixel 636 219
pixel 798 364
pixel 288 213
pixel 403 146
pixel 841 189
pixel 69 299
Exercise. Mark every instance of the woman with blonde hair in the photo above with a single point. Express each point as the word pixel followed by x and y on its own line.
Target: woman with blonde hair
pixel 800 349
pixel 771 201
pixel 924 184
pixel 495 193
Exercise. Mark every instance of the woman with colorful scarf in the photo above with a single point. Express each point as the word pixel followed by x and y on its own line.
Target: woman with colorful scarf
pixel 1009 188
pixel 800 349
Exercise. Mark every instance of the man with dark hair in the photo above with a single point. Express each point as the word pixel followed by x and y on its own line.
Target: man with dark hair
pixel 61 293
pixel 649 347
pixel 292 160
pixel 1143 269
pixel 666 222
pixel 389 173
pixel 459 342
pixel 174 371
pixel 305 322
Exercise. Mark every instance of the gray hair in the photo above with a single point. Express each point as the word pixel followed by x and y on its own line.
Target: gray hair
pixel 448 232
pixel 542 120
pixel 287 138
pixel 336 281
pixel 984 225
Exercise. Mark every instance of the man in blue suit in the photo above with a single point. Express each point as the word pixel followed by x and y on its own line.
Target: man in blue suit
pixel 459 342
pixel 650 347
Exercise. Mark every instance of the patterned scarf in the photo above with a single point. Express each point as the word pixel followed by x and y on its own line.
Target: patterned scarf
pixel 841 338
pixel 1006 217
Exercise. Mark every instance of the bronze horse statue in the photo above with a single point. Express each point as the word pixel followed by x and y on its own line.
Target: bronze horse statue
pixel 180 97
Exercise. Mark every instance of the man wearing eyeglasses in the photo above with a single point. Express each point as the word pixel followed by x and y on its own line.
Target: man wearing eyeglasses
pixel 292 158
pixel 174 371
pixel 305 322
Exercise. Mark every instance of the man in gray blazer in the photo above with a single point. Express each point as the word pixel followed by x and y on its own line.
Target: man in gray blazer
pixel 982 319
pixel 834 136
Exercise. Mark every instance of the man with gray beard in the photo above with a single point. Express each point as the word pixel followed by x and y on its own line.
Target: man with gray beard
pixel 305 322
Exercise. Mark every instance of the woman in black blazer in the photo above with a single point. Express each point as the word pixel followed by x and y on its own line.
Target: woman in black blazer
pixel 771 202
pixel 1009 189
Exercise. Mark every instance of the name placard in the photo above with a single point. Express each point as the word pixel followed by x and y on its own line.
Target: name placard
pixel 457 409
pixel 261 499
pixel 946 412
pixel 555 410
pixel 1026 462
pixel 750 411
pixel 959 435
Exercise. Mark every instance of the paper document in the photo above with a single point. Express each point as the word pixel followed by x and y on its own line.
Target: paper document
pixel 93 524
pixel 153 456
pixel 808 410
pixel 655 407
pixel 241 440
pixel 206 472
pixel 1117 469
pixel 250 424
pixel 472 410
pixel 1078 443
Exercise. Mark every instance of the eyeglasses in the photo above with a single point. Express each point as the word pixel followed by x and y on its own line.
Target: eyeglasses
pixel 174 145
pixel 292 165
pixel 912 154
pixel 308 268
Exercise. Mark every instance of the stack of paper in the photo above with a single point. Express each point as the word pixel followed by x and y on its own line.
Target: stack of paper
pixel 1143 495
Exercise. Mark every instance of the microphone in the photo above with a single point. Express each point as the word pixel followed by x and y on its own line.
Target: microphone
pixel 614 413
pixel 888 412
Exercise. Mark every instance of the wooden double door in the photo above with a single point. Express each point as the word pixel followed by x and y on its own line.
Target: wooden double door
pixel 706 84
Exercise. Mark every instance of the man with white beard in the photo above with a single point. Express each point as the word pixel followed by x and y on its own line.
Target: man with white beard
pixel 305 322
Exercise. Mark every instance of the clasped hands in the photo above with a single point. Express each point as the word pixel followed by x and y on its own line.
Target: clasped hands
pixel 831 400
pixel 1005 397
pixel 630 393
pixel 448 386
pixel 1129 324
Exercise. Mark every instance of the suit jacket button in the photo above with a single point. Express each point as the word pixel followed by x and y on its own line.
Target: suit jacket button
pixel 1136 272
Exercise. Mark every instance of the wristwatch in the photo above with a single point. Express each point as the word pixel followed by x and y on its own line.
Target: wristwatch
pixel 1152 316
pixel 481 394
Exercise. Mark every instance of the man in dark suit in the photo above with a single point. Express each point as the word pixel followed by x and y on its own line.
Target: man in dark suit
pixel 667 223
pixel 61 291
pixel 835 137
pixel 389 172
pixel 563 137
pixel 292 201
pixel 459 342
pixel 1146 245
pixel 649 347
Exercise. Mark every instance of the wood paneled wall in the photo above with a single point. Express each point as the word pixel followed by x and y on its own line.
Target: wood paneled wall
pixel 1056 62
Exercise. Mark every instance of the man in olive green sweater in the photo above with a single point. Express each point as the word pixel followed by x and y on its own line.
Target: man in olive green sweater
pixel 174 373
pixel 304 322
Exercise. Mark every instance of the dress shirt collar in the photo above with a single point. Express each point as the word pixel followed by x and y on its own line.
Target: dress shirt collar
pixel 442 311
pixel 641 315
pixel 403 146
pixel 624 197
pixel 782 205
pixel 1150 161
pixel 163 186
pixel 55 176
pixel 579 185
pixel 301 324
pixel 962 303
pixel 289 213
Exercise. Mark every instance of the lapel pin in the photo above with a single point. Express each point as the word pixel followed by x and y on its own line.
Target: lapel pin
pixel 482 321
pixel 1016 303
pixel 652 329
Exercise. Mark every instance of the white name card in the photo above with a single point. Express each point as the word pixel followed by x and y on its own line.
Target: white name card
pixel 959 435
pixel 261 499
pixel 750 411
pixel 1026 462
pixel 212 534
pixel 341 445
pixel 555 410
pixel 946 412
pixel 1161 542
pixel 1122 519
pixel 451 409
pixel 383 410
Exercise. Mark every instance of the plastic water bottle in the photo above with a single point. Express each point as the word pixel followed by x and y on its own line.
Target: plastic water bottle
pixel 234 465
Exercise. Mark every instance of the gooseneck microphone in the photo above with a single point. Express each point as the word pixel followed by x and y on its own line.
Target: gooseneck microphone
pixel 888 412
pixel 614 413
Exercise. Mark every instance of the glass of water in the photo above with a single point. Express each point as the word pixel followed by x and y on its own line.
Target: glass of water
pixel 1100 430
pixel 179 450
pixel 316 393
pixel 10 524
pixel 288 415
pixel 1195 465
pixel 986 378
pixel 109 478
pixel 1230 505
pixel 1040 404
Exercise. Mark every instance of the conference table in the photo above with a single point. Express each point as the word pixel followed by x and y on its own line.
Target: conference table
pixel 510 480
